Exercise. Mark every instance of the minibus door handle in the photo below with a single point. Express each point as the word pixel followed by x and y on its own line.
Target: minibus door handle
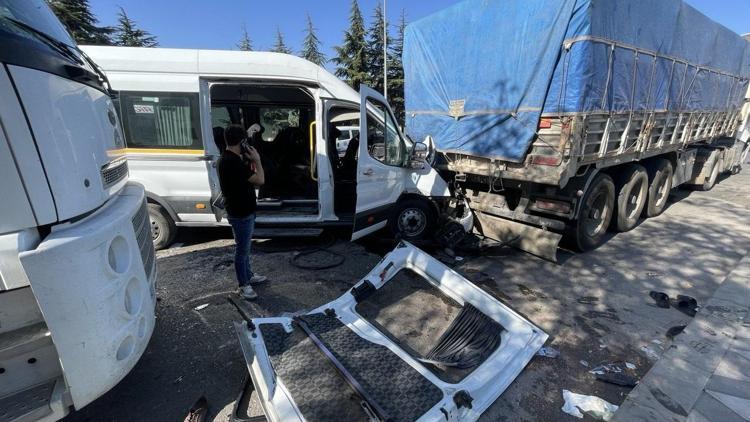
pixel 368 172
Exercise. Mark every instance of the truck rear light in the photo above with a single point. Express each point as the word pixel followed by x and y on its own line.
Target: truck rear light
pixel 546 160
pixel 550 205
pixel 545 124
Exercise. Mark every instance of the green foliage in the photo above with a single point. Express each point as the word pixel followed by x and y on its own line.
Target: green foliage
pixel 76 15
pixel 351 57
pixel 311 45
pixel 280 46
pixel 245 43
pixel 396 71
pixel 376 40
pixel 127 34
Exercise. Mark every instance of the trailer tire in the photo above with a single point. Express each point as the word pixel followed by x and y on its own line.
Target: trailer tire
pixel 413 219
pixel 632 194
pixel 712 178
pixel 597 207
pixel 660 184
pixel 163 228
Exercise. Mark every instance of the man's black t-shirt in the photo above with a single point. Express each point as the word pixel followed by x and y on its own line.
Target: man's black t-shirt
pixel 239 193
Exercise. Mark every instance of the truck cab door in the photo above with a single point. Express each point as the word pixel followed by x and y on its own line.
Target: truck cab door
pixel 383 154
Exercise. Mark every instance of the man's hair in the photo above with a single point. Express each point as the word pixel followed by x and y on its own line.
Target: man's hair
pixel 234 134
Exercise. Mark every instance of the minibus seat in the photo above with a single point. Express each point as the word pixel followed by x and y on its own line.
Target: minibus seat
pixel 348 168
pixel 294 163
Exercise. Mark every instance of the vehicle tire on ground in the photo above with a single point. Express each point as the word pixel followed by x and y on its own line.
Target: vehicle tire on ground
pixel 595 215
pixel 163 228
pixel 713 176
pixel 660 184
pixel 413 219
pixel 632 194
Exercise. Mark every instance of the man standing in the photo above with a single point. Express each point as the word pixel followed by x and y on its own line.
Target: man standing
pixel 240 172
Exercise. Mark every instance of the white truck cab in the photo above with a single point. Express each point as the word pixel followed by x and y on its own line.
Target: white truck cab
pixel 176 103
pixel 77 269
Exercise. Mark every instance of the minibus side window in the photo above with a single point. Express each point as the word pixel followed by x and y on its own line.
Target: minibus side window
pixel 155 120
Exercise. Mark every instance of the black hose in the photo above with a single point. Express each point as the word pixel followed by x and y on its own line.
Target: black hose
pixel 323 248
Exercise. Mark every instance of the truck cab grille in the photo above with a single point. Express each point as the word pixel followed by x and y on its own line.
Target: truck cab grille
pixel 142 228
pixel 114 172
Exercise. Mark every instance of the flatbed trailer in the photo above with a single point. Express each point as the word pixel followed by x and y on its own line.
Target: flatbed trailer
pixel 577 123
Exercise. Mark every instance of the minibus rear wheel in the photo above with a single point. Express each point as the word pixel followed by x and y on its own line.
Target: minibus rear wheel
pixel 163 228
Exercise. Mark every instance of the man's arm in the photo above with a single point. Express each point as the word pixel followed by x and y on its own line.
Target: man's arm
pixel 258 178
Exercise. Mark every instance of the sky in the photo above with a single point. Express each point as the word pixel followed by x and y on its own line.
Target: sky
pixel 217 24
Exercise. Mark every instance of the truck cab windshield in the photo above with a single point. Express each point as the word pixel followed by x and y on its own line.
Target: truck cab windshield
pixel 34 14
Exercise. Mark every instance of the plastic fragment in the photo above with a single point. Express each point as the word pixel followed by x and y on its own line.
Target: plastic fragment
pixel 578 404
pixel 650 353
pixel 201 307
pixel 584 363
pixel 548 352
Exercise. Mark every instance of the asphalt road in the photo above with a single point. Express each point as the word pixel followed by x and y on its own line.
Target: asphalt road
pixel 594 306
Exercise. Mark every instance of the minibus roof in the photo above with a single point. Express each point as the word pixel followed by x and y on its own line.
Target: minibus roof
pixel 118 62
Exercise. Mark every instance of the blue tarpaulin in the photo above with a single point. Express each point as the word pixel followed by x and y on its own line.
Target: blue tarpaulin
pixel 480 74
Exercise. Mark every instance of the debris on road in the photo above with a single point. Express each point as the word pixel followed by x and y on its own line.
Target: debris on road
pixel 201 307
pixel 685 304
pixel 548 352
pixel 593 406
pixel 584 363
pixel 317 349
pixel 198 411
pixel 675 331
pixel 650 353
pixel 661 299
pixel 615 373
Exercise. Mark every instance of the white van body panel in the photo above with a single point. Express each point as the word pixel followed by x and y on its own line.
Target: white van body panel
pixel 73 150
pixel 521 340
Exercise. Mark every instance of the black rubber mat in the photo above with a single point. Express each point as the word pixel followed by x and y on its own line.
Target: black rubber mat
pixel 318 390
pixel 471 338
pixel 397 387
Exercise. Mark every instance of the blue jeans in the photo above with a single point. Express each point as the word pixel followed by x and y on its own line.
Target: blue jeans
pixel 242 229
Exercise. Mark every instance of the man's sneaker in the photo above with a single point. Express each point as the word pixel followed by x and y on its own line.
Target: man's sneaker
pixel 248 293
pixel 258 279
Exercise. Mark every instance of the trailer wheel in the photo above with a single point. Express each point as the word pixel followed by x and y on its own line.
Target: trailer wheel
pixel 413 219
pixel 659 187
pixel 596 213
pixel 711 180
pixel 632 193
pixel 163 229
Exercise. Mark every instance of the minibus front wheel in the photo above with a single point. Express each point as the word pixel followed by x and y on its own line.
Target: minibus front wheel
pixel 163 228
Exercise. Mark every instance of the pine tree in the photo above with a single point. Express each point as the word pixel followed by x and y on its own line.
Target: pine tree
pixel 280 46
pixel 351 59
pixel 375 50
pixel 311 45
pixel 76 15
pixel 127 34
pixel 245 43
pixel 396 71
